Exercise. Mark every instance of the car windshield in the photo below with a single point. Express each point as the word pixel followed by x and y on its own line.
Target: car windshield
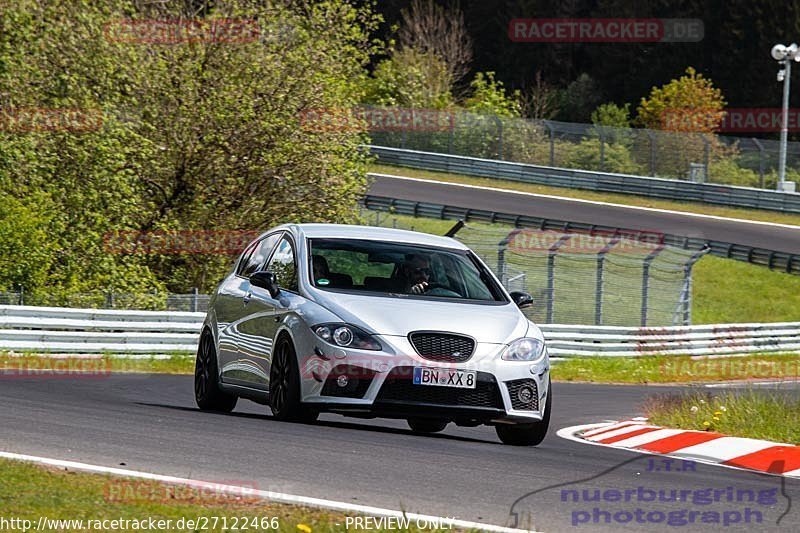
pixel 399 269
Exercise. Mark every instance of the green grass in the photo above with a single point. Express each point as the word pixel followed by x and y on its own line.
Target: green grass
pixel 37 364
pixel 676 369
pixel 30 491
pixel 725 290
pixel 754 414
pixel 625 199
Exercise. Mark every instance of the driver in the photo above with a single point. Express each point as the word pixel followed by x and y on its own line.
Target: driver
pixel 415 273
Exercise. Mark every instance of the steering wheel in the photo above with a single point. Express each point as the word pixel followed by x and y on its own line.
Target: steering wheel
pixel 438 289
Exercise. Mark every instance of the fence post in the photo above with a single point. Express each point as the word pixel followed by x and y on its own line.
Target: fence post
pixel 499 123
pixel 551 282
pixel 598 290
pixel 652 152
pixel 21 295
pixel 450 137
pixel 501 254
pixel 552 142
pixel 195 294
pixel 602 149
pixel 706 151
pixel 646 281
pixel 686 296
pixel 760 161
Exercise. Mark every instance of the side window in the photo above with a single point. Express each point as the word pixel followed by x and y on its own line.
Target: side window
pixel 254 258
pixel 284 266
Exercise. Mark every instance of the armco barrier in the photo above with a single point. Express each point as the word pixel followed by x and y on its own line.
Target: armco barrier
pixel 64 330
pixel 684 191
pixel 87 331
pixel 759 256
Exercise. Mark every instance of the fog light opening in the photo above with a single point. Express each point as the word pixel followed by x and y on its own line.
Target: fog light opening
pixel 525 394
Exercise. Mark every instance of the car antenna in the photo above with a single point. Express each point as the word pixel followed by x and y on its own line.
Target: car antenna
pixel 452 231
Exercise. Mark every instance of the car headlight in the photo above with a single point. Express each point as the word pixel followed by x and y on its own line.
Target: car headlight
pixel 346 336
pixel 525 349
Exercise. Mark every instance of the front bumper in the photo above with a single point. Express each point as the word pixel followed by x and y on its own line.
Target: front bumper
pixel 379 384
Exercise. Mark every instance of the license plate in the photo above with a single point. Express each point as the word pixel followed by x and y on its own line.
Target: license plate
pixel 445 377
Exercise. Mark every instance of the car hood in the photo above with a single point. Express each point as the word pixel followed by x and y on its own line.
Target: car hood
pixel 496 324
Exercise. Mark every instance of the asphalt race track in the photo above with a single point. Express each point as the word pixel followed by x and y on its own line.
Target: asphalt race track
pixel 771 237
pixel 150 423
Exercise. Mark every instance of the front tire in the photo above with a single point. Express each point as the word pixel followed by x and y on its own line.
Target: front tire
pixel 424 425
pixel 528 434
pixel 284 386
pixel 207 394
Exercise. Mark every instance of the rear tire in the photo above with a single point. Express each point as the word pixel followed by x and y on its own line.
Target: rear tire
pixel 284 386
pixel 528 434
pixel 425 425
pixel 207 394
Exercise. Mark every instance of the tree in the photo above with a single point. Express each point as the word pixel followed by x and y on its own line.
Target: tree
pixel 689 103
pixel 203 133
pixel 410 78
pixel 430 28
pixel 489 97
pixel 612 115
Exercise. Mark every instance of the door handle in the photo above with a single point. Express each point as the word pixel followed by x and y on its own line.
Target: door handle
pixel 246 298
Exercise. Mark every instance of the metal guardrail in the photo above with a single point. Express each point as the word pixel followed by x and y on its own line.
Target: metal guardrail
pixel 88 331
pixel 685 191
pixel 773 259
pixel 716 339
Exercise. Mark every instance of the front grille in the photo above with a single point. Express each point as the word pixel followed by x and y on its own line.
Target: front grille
pixel 442 347
pixel 358 381
pixel 518 403
pixel 399 387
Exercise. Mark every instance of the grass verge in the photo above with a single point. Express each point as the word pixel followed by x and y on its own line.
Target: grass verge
pixel 30 364
pixel 31 491
pixel 753 414
pixel 624 199
pixel 676 369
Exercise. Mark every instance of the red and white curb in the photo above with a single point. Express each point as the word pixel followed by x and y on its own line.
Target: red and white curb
pixel 701 446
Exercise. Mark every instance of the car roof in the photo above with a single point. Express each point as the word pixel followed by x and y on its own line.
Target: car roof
pixel 345 231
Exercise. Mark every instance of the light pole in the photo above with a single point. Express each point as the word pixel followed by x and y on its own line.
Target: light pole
pixel 784 55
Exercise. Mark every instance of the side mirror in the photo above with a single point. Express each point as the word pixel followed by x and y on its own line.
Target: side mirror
pixel 266 280
pixel 522 299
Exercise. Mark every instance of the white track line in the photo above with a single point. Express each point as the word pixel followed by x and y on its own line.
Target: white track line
pixel 267 495
pixel 595 202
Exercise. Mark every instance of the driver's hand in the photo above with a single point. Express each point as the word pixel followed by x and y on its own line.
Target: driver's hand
pixel 419 288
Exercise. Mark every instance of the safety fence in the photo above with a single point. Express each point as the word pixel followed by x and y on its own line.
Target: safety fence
pixel 589 278
pixel 687 155
pixel 773 259
pixel 93 331
pixel 669 189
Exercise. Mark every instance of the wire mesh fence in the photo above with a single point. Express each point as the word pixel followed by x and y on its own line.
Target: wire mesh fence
pixel 583 278
pixel 700 157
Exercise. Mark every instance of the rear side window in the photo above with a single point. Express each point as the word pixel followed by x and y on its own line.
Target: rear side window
pixel 256 255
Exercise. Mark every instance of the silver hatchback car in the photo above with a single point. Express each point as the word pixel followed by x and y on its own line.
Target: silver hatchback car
pixel 374 322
